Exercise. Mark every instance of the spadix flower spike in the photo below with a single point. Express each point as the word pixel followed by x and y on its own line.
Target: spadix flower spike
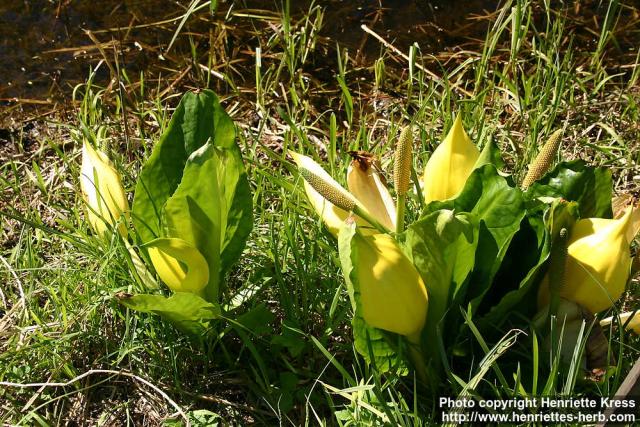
pixel 337 202
pixel 323 183
pixel 103 192
pixel 598 263
pixel 543 160
pixel 332 216
pixel 402 162
pixel 393 296
pixel 179 264
pixel 402 173
pixel 364 182
pixel 450 165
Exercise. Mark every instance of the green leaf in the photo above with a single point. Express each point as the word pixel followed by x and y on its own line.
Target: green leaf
pixel 490 154
pixel 198 118
pixel 186 311
pixel 211 209
pixel 257 320
pixel 213 6
pixel 526 264
pixel 291 338
pixel 576 181
pixel 494 201
pixel 376 346
pixel 442 246
pixel 499 209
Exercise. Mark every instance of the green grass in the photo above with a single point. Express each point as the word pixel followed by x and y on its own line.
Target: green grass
pixel 536 71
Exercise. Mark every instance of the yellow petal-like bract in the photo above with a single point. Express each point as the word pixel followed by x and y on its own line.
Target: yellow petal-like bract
pixel 364 182
pixel 598 263
pixel 179 264
pixel 393 296
pixel 332 216
pixel 633 324
pixel 450 165
pixel 102 190
pixel 323 183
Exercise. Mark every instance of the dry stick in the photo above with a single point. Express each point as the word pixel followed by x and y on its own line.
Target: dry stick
pixel 629 388
pixel 26 101
pixel 175 82
pixel 103 371
pixel 23 298
pixel 429 73
pixel 99 45
pixel 213 72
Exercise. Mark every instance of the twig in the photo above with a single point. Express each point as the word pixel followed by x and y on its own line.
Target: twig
pixel 23 299
pixel 213 72
pixel 103 371
pixel 225 402
pixel 175 82
pixel 629 388
pixel 98 44
pixel 429 73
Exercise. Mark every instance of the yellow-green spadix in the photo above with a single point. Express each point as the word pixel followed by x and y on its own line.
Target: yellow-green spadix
pixel 103 192
pixel 331 201
pixel 179 264
pixel 598 263
pixel 450 165
pixel 393 296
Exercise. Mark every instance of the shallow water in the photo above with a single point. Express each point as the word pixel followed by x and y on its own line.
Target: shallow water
pixel 45 49
pixel 37 37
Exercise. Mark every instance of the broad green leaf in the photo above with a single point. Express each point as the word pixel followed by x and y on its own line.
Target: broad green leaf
pixel 442 246
pixel 257 320
pixel 373 344
pixel 198 118
pixel 526 264
pixel 186 311
pixel 499 209
pixel 291 338
pixel 522 267
pixel 378 347
pixel 211 209
pixel 494 201
pixel 490 154
pixel 576 181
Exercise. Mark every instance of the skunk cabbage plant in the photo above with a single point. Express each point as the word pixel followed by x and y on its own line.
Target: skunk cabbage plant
pixel 598 264
pixel 479 251
pixel 191 212
pixel 103 192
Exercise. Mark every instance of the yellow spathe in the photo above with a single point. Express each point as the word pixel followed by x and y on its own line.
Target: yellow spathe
pixel 102 190
pixel 332 215
pixel 634 323
pixel 598 263
pixel 393 296
pixel 179 264
pixel 450 165
pixel 364 182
